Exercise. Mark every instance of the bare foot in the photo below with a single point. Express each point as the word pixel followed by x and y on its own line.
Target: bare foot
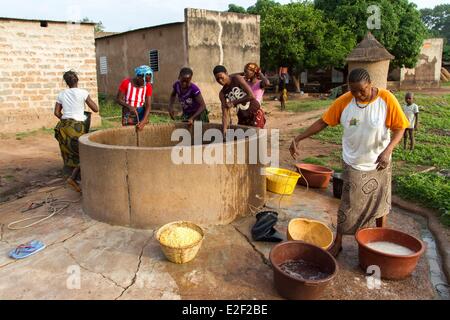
pixel 73 184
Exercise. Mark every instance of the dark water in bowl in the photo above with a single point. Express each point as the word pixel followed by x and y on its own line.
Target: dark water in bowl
pixel 303 270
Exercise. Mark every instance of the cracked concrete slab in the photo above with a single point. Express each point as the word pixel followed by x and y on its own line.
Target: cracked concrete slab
pixel 48 276
pixel 109 250
pixel 123 263
pixel 226 267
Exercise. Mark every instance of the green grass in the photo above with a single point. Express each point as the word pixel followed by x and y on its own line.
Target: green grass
pixel 427 188
pixel 432 149
pixel 111 112
pixel 26 134
pixel 307 105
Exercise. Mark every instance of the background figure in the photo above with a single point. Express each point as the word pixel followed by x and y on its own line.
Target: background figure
pixel 411 111
pixel 69 109
pixel 283 74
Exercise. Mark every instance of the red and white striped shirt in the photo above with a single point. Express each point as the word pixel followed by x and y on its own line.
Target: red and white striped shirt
pixel 134 96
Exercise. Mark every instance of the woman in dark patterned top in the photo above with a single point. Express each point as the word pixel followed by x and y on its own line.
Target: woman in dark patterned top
pixel 237 93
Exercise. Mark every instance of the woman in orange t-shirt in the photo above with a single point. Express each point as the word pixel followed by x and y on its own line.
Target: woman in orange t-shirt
pixel 368 116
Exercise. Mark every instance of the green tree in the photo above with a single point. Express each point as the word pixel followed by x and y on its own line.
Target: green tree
pixel 98 26
pixel 300 35
pixel 437 21
pixel 235 8
pixel 261 7
pixel 401 30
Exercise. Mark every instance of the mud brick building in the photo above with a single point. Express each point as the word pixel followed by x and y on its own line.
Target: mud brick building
pixel 204 40
pixel 34 55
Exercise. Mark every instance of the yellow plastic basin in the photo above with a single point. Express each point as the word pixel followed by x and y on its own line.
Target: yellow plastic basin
pixel 281 181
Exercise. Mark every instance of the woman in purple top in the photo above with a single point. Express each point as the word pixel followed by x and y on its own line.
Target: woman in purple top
pixel 189 97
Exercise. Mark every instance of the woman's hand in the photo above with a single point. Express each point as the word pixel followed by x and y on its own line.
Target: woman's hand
pixel 140 126
pixel 383 159
pixel 295 152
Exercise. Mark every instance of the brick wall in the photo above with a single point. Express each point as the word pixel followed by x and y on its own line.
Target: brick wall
pixel 32 62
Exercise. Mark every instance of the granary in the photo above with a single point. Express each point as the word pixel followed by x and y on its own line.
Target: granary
pixel 372 56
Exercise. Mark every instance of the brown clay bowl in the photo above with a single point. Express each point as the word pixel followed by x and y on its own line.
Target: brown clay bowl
pixel 317 176
pixel 391 266
pixel 296 289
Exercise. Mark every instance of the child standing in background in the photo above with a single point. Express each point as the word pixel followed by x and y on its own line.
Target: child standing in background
pixel 411 111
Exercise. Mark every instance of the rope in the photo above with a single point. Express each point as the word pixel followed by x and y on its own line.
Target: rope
pixel 255 210
pixel 51 202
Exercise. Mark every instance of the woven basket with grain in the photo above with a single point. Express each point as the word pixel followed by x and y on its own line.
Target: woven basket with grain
pixel 180 254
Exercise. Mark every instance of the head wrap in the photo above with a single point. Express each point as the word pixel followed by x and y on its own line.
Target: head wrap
pixel 144 71
pixel 251 66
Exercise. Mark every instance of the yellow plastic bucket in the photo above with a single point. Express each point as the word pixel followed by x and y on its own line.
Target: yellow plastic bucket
pixel 281 181
pixel 310 231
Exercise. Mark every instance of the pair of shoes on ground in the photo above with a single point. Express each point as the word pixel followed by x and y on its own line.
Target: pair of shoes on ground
pixel 263 229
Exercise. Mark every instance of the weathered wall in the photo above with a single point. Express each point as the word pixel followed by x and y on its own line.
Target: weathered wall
pixel 214 38
pixel 378 71
pixel 128 50
pixel 427 72
pixel 32 62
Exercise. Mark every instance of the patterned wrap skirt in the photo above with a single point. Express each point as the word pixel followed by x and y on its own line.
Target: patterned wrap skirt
pixel 67 132
pixel 366 196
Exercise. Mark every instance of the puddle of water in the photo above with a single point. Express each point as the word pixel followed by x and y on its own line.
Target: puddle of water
pixel 437 276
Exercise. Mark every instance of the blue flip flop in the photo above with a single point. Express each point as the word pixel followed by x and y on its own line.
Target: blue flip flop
pixel 27 249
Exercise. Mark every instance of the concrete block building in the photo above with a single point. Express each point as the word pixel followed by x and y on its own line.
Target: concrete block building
pixel 204 40
pixel 34 55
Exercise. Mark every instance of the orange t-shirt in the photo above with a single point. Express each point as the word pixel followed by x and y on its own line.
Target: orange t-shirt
pixel 366 129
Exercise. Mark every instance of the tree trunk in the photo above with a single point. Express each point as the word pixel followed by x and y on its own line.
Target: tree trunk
pixel 296 80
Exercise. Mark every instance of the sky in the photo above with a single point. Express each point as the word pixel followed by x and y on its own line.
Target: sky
pixel 120 15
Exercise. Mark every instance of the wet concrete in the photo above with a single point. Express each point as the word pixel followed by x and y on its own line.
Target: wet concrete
pixel 86 259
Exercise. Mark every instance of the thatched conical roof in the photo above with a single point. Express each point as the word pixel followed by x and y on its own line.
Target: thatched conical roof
pixel 369 50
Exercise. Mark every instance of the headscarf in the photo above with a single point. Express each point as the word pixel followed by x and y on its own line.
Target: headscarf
pixel 144 71
pixel 252 67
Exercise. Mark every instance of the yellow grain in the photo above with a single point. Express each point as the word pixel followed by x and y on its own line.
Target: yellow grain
pixel 179 236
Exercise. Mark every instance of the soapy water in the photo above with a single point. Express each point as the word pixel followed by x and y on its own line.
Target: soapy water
pixel 390 248
pixel 303 270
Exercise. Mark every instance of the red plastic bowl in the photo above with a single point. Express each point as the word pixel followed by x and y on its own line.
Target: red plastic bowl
pixel 391 266
pixel 317 176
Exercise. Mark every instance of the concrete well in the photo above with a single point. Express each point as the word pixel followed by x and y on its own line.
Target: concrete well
pixel 142 187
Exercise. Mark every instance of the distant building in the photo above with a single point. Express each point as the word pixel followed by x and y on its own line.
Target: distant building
pixel 204 40
pixel 34 55
pixel 427 73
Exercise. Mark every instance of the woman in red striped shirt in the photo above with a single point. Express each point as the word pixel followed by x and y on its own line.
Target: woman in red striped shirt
pixel 134 96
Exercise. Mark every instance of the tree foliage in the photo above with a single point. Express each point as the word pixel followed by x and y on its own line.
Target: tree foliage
pixel 299 34
pixel 401 30
pixel 235 8
pixel 98 26
pixel 437 20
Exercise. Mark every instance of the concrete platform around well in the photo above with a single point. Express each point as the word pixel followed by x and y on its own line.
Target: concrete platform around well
pixel 122 263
